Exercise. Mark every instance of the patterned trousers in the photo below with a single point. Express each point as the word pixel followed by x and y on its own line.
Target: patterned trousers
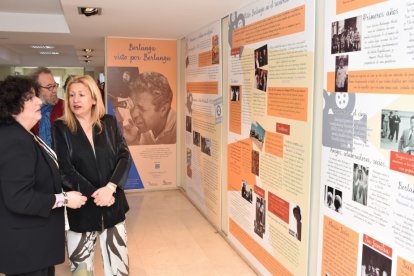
pixel 114 251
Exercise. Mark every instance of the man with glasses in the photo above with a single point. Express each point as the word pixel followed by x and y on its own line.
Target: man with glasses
pixel 52 107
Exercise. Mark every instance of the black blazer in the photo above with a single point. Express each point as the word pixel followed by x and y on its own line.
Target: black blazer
pixel 31 233
pixel 82 171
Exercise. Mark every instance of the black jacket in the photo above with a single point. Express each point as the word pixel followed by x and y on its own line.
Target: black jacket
pixel 31 233
pixel 82 171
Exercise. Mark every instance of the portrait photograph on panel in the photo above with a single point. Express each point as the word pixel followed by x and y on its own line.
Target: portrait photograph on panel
pixel 329 197
pixel 260 219
pixel 206 145
pixel 295 221
pixel 196 138
pixel 188 124
pixel 338 201
pixel 152 116
pixel 360 184
pixel 235 93
pixel 341 73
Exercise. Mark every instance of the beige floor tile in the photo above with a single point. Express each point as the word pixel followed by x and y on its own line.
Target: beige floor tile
pixel 167 236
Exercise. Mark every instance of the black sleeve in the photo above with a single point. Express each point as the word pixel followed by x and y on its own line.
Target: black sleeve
pixel 18 178
pixel 120 174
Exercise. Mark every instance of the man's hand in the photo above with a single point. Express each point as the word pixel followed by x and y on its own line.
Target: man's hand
pixel 131 132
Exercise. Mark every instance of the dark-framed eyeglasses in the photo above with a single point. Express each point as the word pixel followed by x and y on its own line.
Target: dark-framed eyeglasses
pixel 51 86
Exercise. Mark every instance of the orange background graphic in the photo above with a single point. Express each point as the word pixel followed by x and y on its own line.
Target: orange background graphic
pixel 264 257
pixel 349 5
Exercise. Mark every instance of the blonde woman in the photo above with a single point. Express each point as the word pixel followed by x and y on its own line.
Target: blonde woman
pixel 94 160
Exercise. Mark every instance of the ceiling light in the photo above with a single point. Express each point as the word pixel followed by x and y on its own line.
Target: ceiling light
pixel 87 50
pixel 49 53
pixel 42 47
pixel 86 60
pixel 89 11
pixel 87 56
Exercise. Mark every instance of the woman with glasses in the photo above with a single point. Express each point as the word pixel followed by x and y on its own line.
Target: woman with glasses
pixel 52 106
pixel 94 159
pixel 32 236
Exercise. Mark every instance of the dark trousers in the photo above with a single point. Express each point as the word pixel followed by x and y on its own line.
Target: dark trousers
pixel 50 271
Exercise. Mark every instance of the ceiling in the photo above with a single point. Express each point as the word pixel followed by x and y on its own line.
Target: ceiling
pixel 57 22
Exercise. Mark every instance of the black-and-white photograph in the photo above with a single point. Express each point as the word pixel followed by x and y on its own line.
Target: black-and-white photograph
pixel 374 263
pixel 247 191
pixel 397 131
pixel 341 73
pixel 346 35
pixel 189 103
pixel 196 138
pixel 329 197
pixel 333 199
pixel 235 93
pixel 360 184
pixel 188 124
pixel 206 145
pixel 338 201
pixel 260 79
pixel 260 57
pixel 295 221
pixel 260 221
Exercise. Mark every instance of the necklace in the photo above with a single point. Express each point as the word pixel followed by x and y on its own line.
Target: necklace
pixel 48 150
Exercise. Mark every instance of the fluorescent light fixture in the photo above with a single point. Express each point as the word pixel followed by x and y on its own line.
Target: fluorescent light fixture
pixel 87 50
pixel 49 53
pixel 42 47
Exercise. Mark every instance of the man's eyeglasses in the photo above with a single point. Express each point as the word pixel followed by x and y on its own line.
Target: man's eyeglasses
pixel 50 87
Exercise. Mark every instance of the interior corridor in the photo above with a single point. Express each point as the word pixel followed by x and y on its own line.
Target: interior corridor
pixel 167 235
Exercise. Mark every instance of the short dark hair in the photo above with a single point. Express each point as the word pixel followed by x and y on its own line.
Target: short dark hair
pixel 39 70
pixel 337 202
pixel 155 84
pixel 297 214
pixel 14 91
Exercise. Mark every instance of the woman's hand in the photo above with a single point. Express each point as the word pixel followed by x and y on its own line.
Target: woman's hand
pixel 103 197
pixel 75 199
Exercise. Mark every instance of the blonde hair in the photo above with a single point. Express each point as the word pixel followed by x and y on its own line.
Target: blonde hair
pixel 98 110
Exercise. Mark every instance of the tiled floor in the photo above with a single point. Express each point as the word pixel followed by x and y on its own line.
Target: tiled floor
pixel 168 236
